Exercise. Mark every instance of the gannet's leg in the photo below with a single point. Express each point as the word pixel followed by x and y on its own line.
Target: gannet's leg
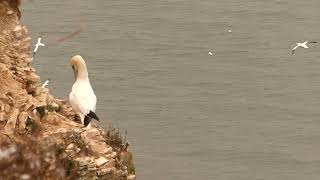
pixel 81 118
pixel 87 127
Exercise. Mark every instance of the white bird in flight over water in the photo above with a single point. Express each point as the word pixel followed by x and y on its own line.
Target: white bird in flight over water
pixel 46 83
pixel 210 53
pixel 304 45
pixel 37 45
pixel 82 98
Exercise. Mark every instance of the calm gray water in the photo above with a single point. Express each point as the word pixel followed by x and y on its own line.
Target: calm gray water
pixel 249 112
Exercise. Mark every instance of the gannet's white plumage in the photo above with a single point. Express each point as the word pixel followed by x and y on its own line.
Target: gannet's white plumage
pixel 82 98
pixel 304 45
pixel 37 45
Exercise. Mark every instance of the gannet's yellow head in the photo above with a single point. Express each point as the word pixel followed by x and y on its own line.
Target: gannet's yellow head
pixel 79 67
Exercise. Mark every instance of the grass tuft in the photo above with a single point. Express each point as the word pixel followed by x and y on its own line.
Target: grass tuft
pixel 114 138
pixel 75 138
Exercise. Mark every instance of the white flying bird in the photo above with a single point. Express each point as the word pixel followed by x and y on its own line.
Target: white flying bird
pixel 37 45
pixel 46 83
pixel 210 53
pixel 304 45
pixel 82 98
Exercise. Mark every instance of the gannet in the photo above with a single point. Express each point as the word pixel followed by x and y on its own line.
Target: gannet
pixel 82 98
pixel 304 45
pixel 37 46
pixel 210 53
pixel 46 83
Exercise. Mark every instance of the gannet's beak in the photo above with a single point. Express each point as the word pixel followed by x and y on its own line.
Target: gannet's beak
pixel 75 71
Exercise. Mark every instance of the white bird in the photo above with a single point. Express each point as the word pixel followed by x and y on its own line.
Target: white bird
pixel 210 53
pixel 304 45
pixel 37 45
pixel 82 98
pixel 230 31
pixel 46 83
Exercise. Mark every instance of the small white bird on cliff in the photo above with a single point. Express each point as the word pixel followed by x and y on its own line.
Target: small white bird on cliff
pixel 304 45
pixel 82 98
pixel 37 45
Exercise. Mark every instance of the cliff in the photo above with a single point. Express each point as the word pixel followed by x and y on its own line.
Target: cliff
pixel 40 137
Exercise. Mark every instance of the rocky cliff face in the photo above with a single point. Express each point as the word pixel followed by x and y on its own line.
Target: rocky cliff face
pixel 39 135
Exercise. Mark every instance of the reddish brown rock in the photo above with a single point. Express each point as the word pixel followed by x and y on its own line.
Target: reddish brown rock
pixel 11 123
pixel 23 117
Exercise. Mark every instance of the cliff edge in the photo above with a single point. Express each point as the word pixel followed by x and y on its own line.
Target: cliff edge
pixel 40 137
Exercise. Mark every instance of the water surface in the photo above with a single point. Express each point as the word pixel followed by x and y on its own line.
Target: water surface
pixel 251 111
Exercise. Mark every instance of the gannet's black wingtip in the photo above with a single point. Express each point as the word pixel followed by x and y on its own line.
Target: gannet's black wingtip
pixel 93 115
pixel 88 117
pixel 87 120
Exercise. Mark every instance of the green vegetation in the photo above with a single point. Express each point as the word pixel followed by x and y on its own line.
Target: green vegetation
pixel 113 138
pixel 32 126
pixel 75 138
pixel 70 165
pixel 41 111
pixel 60 149
pixel 118 142
pixel 54 107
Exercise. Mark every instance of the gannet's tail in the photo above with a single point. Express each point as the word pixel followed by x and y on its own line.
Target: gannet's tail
pixel 88 117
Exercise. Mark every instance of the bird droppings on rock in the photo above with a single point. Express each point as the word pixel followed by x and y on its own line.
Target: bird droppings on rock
pixel 1 116
pixel 70 146
pixel 100 161
pixel 131 177
pixel 9 12
pixel 25 177
pixel 107 150
pixel 61 130
pixel 113 155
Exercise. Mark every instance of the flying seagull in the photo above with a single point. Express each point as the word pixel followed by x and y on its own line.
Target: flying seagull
pixel 46 83
pixel 210 53
pixel 37 46
pixel 82 98
pixel 304 45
